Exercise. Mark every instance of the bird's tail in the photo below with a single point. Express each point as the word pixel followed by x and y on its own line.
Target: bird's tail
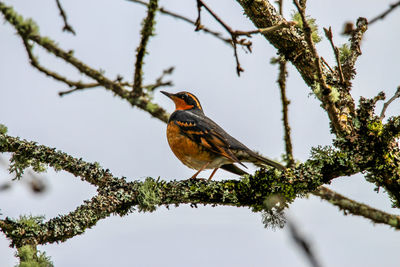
pixel 262 161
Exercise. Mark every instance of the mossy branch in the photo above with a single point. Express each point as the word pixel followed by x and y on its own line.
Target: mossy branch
pixel 115 195
pixel 295 46
pixel 28 30
pixel 146 32
pixel 349 206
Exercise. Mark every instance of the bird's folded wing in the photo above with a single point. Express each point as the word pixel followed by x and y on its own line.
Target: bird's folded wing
pixel 208 137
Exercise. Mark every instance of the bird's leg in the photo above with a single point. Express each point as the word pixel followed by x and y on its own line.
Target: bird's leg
pixel 201 169
pixel 212 174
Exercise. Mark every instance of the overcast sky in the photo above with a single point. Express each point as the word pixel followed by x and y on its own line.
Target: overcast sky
pixel 97 126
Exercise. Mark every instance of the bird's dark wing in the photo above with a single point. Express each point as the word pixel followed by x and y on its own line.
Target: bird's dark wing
pixel 206 133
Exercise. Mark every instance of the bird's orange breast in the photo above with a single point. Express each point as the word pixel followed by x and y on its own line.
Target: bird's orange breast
pixel 189 152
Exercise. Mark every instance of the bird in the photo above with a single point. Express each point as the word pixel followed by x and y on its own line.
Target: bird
pixel 200 143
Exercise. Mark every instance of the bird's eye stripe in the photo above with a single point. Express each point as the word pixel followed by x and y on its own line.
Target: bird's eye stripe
pixel 196 100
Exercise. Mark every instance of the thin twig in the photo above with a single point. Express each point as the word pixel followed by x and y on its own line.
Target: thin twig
pixel 329 35
pixel 356 208
pixel 236 33
pixel 386 104
pixel 303 244
pixel 35 63
pixel 159 81
pixel 67 27
pixel 384 14
pixel 325 94
pixel 285 104
pixel 66 92
pixel 234 40
pixel 146 32
pixel 26 30
pixel 164 11
pixel 327 65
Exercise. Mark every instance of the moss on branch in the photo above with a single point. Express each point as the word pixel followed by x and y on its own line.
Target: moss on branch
pixel 115 195
pixel 28 30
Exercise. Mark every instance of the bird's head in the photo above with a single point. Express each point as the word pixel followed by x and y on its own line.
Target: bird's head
pixel 184 101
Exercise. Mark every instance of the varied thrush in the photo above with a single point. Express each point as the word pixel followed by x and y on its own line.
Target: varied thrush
pixel 201 144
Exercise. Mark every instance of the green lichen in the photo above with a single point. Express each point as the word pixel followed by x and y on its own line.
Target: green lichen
pixel 315 36
pixel 375 127
pixel 20 161
pixel 30 257
pixel 152 107
pixel 316 88
pixel 148 197
pixel 26 27
pixel 334 95
pixel 344 52
pixel 3 129
pixel 31 223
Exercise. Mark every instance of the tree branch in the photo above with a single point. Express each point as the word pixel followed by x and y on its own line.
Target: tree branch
pixel 164 11
pixel 285 103
pixel 29 31
pixel 303 244
pixel 329 35
pixel 146 32
pixel 357 209
pixel 386 104
pixel 291 43
pixel 118 196
pixel 63 14
pixel 35 63
pixel 355 50
pixel 236 33
pixel 384 14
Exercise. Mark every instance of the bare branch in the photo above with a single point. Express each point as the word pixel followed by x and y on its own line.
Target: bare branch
pixel 329 35
pixel 35 63
pixel 66 27
pixel 386 104
pixel 236 33
pixel 303 244
pixel 234 40
pixel 357 209
pixel 327 65
pixel 384 14
pixel 159 81
pixel 164 11
pixel 146 32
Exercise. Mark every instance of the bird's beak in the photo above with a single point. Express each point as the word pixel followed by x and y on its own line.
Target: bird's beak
pixel 167 94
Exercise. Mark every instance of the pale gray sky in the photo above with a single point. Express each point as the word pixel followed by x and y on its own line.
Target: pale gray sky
pixel 98 127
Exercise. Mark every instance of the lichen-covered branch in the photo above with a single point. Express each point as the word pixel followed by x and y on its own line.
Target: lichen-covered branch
pixel 292 44
pixel 29 154
pixel 285 104
pixel 355 51
pixel 28 30
pixel 329 35
pixel 146 32
pixel 35 63
pixel 118 196
pixel 358 209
